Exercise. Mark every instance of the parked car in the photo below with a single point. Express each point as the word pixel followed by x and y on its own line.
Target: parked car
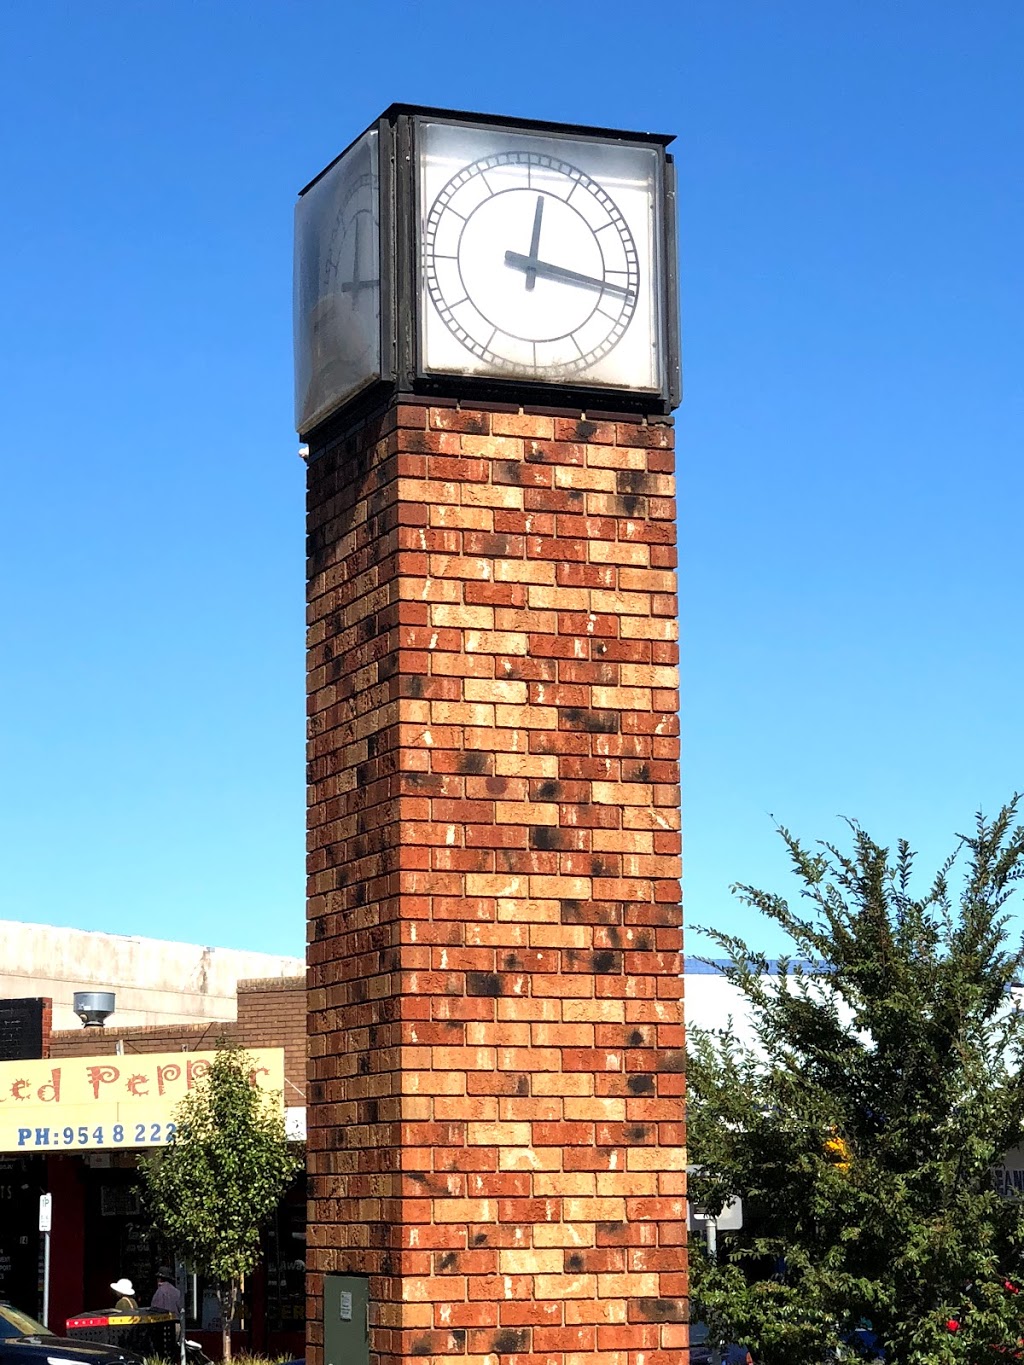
pixel 23 1341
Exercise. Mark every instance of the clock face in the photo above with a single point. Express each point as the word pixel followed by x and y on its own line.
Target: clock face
pixel 337 285
pixel 539 257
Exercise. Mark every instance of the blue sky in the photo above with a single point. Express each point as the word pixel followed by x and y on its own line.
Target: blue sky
pixel 852 212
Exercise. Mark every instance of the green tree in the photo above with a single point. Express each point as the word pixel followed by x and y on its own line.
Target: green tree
pixel 212 1190
pixel 861 1127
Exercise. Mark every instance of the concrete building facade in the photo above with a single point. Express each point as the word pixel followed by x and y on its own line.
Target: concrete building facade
pixel 156 981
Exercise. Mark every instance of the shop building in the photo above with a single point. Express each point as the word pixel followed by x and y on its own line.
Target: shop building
pixel 100 1231
pixel 91 1085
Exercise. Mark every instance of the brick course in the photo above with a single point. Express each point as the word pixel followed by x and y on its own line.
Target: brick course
pixel 495 1112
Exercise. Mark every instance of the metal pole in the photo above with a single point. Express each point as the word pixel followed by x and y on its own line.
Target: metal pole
pixel 46 1278
pixel 711 1233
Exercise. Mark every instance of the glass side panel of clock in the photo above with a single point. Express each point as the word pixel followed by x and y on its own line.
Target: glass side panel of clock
pixel 337 284
pixel 540 257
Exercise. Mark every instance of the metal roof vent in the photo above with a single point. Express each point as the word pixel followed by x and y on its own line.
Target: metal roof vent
pixel 93 1007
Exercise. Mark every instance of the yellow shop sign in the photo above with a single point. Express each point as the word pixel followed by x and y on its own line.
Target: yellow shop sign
pixel 85 1103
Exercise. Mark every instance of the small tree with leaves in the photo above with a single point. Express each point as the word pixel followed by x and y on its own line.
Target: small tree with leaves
pixel 861 1128
pixel 213 1189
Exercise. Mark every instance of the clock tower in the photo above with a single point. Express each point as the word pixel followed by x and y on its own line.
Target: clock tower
pixel 486 362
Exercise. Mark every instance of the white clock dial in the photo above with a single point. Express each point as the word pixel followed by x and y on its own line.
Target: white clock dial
pixel 337 285
pixel 542 270
pixel 537 258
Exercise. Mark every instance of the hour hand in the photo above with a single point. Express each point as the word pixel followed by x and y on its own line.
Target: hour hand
pixel 545 270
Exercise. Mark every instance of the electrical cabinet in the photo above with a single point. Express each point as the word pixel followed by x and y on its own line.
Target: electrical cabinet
pixel 346 1320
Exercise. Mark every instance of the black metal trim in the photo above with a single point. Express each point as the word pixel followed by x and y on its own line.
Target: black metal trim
pixel 406 251
pixel 527 393
pixel 386 250
pixel 673 340
pixel 528 124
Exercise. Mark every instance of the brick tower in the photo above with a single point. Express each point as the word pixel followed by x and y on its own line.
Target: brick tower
pixel 495 1117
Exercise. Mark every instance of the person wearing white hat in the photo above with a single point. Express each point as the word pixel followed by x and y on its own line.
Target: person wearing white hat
pixel 127 1302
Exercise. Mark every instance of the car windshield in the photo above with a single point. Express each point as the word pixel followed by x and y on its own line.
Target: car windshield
pixel 16 1324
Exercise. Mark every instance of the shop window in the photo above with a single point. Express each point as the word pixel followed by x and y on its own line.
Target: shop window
pixel 285 1253
pixel 120 1201
pixel 203 1307
pixel 119 1237
pixel 22 1180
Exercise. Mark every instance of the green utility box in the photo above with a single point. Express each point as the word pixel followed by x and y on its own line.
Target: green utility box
pixel 346 1320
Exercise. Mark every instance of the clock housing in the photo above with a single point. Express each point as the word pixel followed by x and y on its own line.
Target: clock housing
pixel 337 284
pixel 489 259
pixel 540 257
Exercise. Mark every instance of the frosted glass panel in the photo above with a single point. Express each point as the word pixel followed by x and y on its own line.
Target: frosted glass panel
pixel 337 285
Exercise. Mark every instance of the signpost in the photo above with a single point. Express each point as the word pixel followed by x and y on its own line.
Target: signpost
pixel 729 1219
pixel 45 1223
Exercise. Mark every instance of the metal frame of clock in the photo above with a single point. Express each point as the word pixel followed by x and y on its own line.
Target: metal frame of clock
pixel 488 259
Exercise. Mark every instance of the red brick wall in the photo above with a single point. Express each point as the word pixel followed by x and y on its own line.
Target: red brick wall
pixel 496 1111
pixel 271 1013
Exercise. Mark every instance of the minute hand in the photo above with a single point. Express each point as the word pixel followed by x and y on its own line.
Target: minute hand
pixel 558 272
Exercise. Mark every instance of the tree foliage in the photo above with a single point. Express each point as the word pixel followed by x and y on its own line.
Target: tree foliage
pixel 212 1190
pixel 861 1126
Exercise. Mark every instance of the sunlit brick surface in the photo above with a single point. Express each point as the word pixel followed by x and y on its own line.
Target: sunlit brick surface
pixel 496 1092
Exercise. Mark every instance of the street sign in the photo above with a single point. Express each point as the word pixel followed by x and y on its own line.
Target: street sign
pixel 45 1224
pixel 729 1220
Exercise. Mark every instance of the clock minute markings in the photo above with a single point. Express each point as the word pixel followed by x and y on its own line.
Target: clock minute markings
pixel 614 293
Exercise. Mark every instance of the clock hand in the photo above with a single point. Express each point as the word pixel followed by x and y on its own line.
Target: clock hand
pixel 353 286
pixel 531 270
pixel 357 283
pixel 558 272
